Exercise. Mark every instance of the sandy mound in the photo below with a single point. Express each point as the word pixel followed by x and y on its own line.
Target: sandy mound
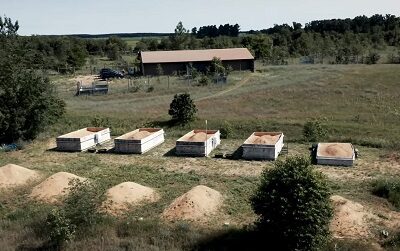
pixel 126 194
pixel 350 219
pixel 266 139
pixel 195 205
pixel 198 137
pixel 13 175
pixel 54 186
pixel 85 79
pixel 335 150
pixel 140 135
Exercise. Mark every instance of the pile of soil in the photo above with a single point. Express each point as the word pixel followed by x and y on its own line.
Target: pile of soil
pixel 350 219
pixel 54 187
pixel 195 205
pixel 13 175
pixel 266 139
pixel 127 194
pixel 335 150
pixel 198 137
pixel 140 135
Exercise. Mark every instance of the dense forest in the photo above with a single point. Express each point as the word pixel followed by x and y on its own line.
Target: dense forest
pixel 337 41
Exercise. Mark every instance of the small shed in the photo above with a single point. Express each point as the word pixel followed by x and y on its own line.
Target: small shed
pixel 263 146
pixel 139 141
pixel 198 143
pixel 83 139
pixel 335 154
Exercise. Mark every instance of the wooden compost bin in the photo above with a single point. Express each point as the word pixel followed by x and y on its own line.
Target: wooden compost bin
pixel 195 143
pixel 263 146
pixel 83 139
pixel 335 154
pixel 139 141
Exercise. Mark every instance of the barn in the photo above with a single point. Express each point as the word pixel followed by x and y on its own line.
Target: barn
pixel 177 62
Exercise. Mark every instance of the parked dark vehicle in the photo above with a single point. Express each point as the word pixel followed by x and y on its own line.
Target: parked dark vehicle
pixel 107 73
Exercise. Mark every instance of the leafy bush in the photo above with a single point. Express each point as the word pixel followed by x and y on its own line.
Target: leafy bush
pixel 313 131
pixel 150 89
pixel 59 228
pixel 389 189
pixel 182 108
pixel 226 130
pixel 293 205
pixel 204 80
pixel 82 204
pixel 100 122
pixel 373 57
pixel 28 101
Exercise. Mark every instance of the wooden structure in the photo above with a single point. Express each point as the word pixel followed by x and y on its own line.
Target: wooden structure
pixel 335 154
pixel 198 143
pixel 154 63
pixel 83 139
pixel 263 146
pixel 139 141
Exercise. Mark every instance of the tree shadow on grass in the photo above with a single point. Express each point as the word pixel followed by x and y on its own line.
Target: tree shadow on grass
pixel 237 239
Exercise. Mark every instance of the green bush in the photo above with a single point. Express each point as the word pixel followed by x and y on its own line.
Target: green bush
pixel 226 130
pixel 150 89
pixel 314 131
pixel 204 80
pixel 58 227
pixel 82 204
pixel 28 101
pixel 389 189
pixel 182 109
pixel 293 205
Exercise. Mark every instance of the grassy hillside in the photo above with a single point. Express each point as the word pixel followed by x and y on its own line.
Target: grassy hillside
pixel 357 103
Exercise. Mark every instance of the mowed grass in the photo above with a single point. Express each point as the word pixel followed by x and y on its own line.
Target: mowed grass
pixel 357 103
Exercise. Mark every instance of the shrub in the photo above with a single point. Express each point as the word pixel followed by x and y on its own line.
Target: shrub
pixel 150 89
pixel 389 189
pixel 100 122
pixel 204 80
pixel 226 130
pixel 293 205
pixel 373 57
pixel 314 131
pixel 28 101
pixel 82 204
pixel 59 228
pixel 182 108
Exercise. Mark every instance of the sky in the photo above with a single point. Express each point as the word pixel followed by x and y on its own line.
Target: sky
pixel 55 17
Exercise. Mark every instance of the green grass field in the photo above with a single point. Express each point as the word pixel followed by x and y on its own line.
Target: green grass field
pixel 357 103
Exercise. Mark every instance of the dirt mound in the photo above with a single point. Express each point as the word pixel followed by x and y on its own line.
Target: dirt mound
pixel 126 194
pixel 198 137
pixel 13 175
pixel 266 139
pixel 350 219
pixel 195 205
pixel 54 187
pixel 140 135
pixel 335 150
pixel 85 79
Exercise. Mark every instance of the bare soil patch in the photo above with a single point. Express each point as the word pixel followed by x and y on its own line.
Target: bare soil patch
pixel 265 139
pixel 128 194
pixel 140 135
pixel 198 204
pixel 335 150
pixel 85 79
pixel 351 219
pixel 13 175
pixel 54 187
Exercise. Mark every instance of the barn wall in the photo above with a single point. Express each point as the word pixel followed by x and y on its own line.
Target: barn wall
pixel 176 68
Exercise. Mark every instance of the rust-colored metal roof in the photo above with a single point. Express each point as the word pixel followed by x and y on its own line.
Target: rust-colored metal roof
pixel 149 57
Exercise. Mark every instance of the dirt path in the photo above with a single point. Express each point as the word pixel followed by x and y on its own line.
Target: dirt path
pixel 238 85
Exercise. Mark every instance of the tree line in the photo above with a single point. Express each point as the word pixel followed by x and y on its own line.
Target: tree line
pixel 340 41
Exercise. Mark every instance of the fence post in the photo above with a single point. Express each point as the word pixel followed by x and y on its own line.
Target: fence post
pixel 168 81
